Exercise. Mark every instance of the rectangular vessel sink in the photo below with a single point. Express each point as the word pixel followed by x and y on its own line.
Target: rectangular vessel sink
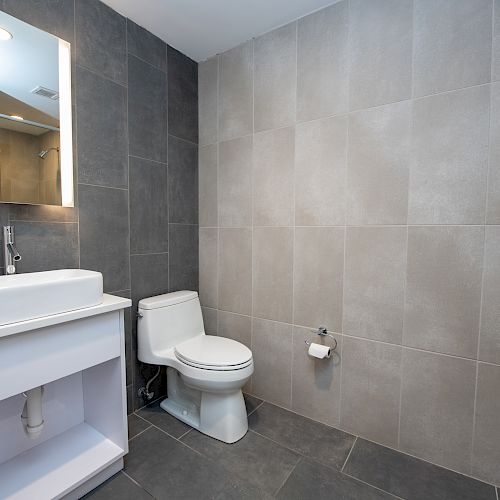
pixel 35 295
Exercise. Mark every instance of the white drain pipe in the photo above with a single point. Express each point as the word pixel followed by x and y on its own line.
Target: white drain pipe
pixel 31 416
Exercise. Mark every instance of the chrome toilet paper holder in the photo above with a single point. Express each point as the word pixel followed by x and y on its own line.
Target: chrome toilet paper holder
pixel 323 332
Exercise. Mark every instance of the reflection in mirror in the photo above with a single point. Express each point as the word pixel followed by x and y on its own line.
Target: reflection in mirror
pixel 36 157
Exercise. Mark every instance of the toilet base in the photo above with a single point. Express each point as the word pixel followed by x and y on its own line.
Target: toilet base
pixel 222 416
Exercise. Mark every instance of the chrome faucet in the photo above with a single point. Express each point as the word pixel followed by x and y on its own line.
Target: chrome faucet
pixel 10 253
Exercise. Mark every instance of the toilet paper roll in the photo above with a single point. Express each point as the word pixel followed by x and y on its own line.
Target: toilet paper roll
pixel 319 351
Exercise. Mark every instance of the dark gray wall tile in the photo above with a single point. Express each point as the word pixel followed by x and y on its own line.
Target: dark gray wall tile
pixel 4 221
pixel 146 46
pixel 182 95
pixel 54 16
pixel 101 39
pixel 182 181
pixel 183 266
pixel 149 275
pixel 104 234
pixel 46 246
pixel 147 110
pixel 43 213
pixel 101 130
pixel 148 206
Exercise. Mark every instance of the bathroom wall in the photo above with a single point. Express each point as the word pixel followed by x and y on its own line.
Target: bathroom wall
pixel 350 177
pixel 136 133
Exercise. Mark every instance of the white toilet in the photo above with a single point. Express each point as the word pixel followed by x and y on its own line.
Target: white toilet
pixel 205 373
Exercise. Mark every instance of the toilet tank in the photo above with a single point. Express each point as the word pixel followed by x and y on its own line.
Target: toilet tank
pixel 165 321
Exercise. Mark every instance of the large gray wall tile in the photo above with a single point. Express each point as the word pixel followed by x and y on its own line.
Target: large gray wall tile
pixel 208 80
pixel 272 354
pixel 210 320
pixel 322 63
pixel 149 275
pixel 101 39
pixel 235 270
pixel 207 186
pixel 272 178
pixel 146 46
pixel 234 188
pixel 182 181
pixel 437 408
pixel 493 207
pixel 371 381
pixel 489 337
pixel 443 290
pixel 235 101
pixel 183 268
pixel 452 44
pixel 46 246
pixel 104 234
pixel 208 266
pixel 379 165
pixel 320 165
pixel 380 52
pixel 272 273
pixel 486 450
pixel 147 110
pixel 148 206
pixel 275 56
pixel 375 276
pixel 316 382
pixel 236 327
pixel 318 277
pixel 101 129
pixel 450 158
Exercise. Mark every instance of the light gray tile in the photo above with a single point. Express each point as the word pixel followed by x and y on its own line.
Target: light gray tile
pixel 452 44
pixel 316 382
pixel 437 408
pixel 275 78
pixel 379 165
pixel 496 41
pixel 380 52
pixel 486 451
pixel 443 290
pixel 272 273
pixel 208 74
pixel 318 277
pixel 235 102
pixel 489 338
pixel 210 320
pixel 272 355
pixel 235 270
pixel 235 182
pixel 322 63
pixel 207 179
pixel 375 277
pixel 236 327
pixel 320 165
pixel 450 158
pixel 273 159
pixel 208 266
pixel 371 381
pixel 493 207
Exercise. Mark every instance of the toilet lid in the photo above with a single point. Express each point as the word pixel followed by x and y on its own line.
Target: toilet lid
pixel 212 351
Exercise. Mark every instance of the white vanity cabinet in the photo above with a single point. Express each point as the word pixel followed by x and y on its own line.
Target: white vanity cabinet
pixel 79 359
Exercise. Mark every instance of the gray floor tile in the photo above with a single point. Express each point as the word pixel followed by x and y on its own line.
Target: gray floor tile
pixel 136 425
pixel 313 481
pixel 251 403
pixel 159 417
pixel 168 469
pixel 325 444
pixel 253 458
pixel 119 487
pixel 411 478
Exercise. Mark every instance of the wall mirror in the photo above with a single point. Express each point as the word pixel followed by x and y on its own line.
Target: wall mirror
pixel 36 153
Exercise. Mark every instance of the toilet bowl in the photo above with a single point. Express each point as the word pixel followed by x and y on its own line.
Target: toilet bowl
pixel 205 373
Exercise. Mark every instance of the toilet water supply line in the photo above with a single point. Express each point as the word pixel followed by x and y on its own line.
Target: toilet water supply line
pixel 31 417
pixel 144 391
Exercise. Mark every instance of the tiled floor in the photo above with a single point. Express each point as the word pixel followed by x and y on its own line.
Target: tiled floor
pixel 283 456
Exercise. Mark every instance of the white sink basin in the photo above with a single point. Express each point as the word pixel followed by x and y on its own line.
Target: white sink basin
pixel 35 295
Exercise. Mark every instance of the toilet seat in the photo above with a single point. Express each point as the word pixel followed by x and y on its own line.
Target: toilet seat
pixel 208 352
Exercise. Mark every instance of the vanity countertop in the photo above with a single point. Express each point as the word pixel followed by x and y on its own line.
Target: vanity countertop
pixel 109 303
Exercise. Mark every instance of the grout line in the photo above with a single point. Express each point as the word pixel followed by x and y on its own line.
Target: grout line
pixel 349 454
pixel 133 480
pixel 357 479
pixel 162 163
pixel 100 75
pixel 185 434
pixel 256 408
pixel 496 489
pixel 286 478
pixel 164 71
pixel 142 432
pixel 103 187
